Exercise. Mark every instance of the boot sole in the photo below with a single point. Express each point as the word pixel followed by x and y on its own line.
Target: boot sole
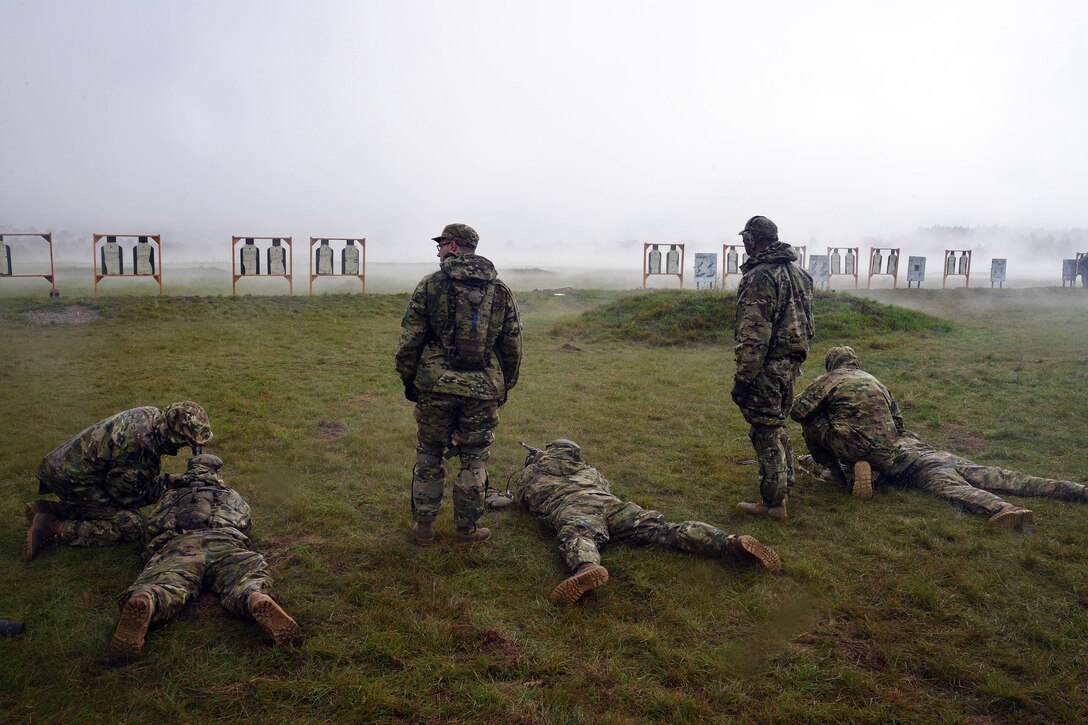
pixel 1012 519
pixel 762 554
pixel 470 542
pixel 276 623
pixel 128 640
pixel 863 481
pixel 571 590
pixel 34 543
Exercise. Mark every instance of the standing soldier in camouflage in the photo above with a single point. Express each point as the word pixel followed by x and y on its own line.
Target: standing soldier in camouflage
pixel 459 355
pixel 106 473
pixel 849 416
pixel 773 332
pixel 199 535
pixel 573 498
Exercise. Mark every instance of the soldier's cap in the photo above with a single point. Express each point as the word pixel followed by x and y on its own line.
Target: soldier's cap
pixel 761 227
pixel 206 460
pixel 463 234
pixel 189 421
pixel 839 356
pixel 565 443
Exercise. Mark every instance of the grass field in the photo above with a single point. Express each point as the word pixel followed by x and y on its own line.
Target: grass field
pixel 900 609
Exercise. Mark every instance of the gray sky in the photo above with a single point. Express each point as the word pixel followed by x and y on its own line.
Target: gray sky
pixel 588 123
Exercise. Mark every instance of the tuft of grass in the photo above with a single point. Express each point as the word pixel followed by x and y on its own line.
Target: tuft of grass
pixel 675 317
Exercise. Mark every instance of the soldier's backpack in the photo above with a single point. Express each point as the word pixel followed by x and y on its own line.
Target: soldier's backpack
pixel 470 338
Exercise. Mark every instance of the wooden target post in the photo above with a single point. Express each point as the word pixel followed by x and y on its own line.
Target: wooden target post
pixel 288 268
pixel 731 255
pixel 956 265
pixel 361 274
pixel 51 277
pixel 112 239
pixel 840 263
pixel 878 257
pixel 651 264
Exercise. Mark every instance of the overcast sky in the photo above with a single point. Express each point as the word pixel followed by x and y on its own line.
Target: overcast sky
pixel 587 123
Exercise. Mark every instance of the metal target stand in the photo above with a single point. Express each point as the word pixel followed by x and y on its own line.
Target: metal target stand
pixel 361 241
pixel 960 267
pixel 876 261
pixel 647 267
pixel 834 251
pixel 156 275
pixel 289 265
pixel 51 277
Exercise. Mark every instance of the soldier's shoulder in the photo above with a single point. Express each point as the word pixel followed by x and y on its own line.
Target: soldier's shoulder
pixel 145 413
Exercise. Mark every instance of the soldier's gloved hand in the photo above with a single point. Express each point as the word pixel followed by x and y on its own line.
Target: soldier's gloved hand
pixel 741 392
pixel 411 393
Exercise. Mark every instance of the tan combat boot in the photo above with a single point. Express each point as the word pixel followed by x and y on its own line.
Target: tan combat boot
pixel 761 509
pixel 863 481
pixel 272 620
pixel 42 531
pixel 423 533
pixel 128 639
pixel 746 550
pixel 44 506
pixel 466 535
pixel 570 590
pixel 1012 517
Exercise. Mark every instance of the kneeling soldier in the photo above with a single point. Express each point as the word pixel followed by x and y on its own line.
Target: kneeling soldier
pixel 199 536
pixel 572 497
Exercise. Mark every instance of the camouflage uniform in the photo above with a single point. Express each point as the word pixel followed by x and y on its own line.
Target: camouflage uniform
pixel 575 500
pixel 850 415
pixel 199 536
pixel 106 473
pixel 773 331
pixel 457 409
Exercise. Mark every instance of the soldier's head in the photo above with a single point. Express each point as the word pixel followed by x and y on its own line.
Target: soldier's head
pixel 456 238
pixel 758 234
pixel 841 356
pixel 187 425
pixel 564 446
pixel 203 469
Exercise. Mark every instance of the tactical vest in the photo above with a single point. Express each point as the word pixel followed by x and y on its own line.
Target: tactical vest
pixel 113 260
pixel 277 258
pixel 250 258
pixel 468 337
pixel 143 257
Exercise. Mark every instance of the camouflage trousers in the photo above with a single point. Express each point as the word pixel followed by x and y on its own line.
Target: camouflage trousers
pixel 216 559
pixel 92 517
pixel 831 449
pixel 450 425
pixel 584 528
pixel 973 486
pixel 765 406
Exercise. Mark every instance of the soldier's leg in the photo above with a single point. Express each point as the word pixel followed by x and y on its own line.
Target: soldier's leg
pixel 241 578
pixel 434 418
pixel 172 577
pixel 101 528
pixel 474 433
pixel 944 481
pixel 765 410
pixel 1001 480
pixel 817 435
pixel 582 531
pixel 773 465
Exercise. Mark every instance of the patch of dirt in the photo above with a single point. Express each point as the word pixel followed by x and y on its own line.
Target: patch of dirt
pixel 283 542
pixel 906 404
pixel 954 440
pixel 567 347
pixel 69 315
pixel 205 605
pixel 864 654
pixel 363 399
pixel 329 429
pixel 494 643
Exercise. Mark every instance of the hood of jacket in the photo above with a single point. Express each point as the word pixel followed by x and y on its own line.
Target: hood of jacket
pixel 777 253
pixel 561 461
pixel 842 356
pixel 469 267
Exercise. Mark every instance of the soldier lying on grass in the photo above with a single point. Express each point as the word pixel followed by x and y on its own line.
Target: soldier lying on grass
pixel 852 424
pixel 572 497
pixel 106 473
pixel 199 539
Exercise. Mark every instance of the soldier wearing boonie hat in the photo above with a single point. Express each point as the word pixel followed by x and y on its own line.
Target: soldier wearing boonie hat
pixel 459 356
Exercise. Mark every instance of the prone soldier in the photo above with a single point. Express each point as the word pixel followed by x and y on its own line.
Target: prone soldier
pixel 572 497
pixel 106 473
pixel 199 536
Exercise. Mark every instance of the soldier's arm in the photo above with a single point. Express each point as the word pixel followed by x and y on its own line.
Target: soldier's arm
pixel 756 308
pixel 133 484
pixel 413 334
pixel 808 402
pixel 897 415
pixel 508 344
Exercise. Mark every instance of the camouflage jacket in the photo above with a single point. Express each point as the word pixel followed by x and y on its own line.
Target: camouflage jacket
pixel 421 358
pixel 857 405
pixel 557 480
pixel 120 455
pixel 197 501
pixel 774 311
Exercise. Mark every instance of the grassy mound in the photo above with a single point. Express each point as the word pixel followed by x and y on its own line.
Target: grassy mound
pixel 673 317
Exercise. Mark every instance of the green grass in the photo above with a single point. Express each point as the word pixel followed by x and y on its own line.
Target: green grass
pixel 901 609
